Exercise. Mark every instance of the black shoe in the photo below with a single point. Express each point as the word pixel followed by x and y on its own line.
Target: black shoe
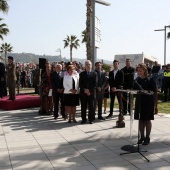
pixel 140 141
pixel 91 122
pixel 74 120
pixel 124 112
pixel 69 121
pixel 146 141
pixel 109 116
pixel 83 122
pixel 55 117
pixel 101 118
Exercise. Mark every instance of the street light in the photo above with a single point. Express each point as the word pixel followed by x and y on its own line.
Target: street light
pixel 164 41
pixel 93 27
pixel 59 50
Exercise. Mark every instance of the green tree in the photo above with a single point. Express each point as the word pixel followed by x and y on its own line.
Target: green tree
pixel 3 30
pixel 6 48
pixel 4 7
pixel 106 67
pixel 72 42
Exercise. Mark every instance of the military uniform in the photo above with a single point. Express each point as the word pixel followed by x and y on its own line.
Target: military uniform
pixel 11 71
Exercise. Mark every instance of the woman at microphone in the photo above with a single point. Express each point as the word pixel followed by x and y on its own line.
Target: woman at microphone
pixel 144 105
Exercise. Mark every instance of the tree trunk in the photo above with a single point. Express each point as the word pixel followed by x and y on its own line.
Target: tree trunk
pixel 70 54
pixel 88 31
pixel 5 58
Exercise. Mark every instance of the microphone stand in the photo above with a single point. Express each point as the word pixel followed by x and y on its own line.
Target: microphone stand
pixel 137 150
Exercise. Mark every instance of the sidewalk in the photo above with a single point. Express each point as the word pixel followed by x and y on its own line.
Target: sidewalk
pixel 32 142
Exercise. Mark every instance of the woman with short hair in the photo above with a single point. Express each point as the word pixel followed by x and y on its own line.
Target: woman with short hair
pixel 71 92
pixel 144 105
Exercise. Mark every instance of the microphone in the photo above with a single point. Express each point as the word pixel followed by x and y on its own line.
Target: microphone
pixel 139 85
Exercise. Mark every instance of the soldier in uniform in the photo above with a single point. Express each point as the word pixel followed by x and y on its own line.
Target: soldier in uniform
pixel 11 71
pixel 36 77
pixel 2 79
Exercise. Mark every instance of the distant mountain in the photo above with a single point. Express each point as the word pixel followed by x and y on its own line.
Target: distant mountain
pixel 29 58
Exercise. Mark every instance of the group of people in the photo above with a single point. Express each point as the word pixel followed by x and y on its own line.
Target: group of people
pixel 65 86
pixel 69 88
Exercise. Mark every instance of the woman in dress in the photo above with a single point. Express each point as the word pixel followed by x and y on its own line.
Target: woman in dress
pixel 46 94
pixel 71 90
pixel 144 105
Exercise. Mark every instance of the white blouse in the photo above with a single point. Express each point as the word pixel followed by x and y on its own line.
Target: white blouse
pixel 68 83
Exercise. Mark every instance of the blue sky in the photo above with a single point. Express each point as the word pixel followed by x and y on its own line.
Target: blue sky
pixel 127 27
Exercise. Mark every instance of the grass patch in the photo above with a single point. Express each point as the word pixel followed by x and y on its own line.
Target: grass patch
pixel 163 107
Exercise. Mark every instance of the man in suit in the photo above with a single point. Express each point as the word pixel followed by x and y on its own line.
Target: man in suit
pixel 2 78
pixel 115 82
pixel 87 84
pixel 101 82
pixel 128 72
pixel 56 79
pixel 11 71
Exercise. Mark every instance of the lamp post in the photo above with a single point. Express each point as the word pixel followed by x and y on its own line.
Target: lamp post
pixel 164 41
pixel 93 28
pixel 59 50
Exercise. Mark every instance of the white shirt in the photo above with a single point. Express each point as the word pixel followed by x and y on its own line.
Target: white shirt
pixel 115 71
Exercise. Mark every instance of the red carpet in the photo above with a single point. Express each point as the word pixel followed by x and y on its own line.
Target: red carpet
pixel 21 102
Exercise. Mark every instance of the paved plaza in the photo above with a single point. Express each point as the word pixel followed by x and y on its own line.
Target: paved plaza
pixel 32 142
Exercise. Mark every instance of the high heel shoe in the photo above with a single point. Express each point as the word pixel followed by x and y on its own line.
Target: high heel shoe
pixel 140 141
pixel 146 141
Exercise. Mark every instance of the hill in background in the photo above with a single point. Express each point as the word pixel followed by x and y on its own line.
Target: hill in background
pixel 34 58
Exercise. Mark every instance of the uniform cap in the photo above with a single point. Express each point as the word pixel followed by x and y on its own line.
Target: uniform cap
pixel 10 57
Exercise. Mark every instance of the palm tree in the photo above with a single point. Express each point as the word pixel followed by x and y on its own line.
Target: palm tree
pixel 72 42
pixel 88 23
pixel 3 30
pixel 84 38
pixel 4 7
pixel 6 48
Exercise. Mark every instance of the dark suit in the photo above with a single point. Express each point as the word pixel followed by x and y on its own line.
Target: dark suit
pixel 127 84
pixel 101 82
pixel 57 83
pixel 2 78
pixel 87 82
pixel 116 82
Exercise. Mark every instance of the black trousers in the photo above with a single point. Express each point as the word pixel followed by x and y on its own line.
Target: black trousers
pixel 112 100
pixel 99 102
pixel 90 101
pixel 126 101
pixel 166 93
pixel 56 98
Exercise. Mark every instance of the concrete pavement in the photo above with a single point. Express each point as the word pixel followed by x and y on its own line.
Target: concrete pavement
pixel 32 142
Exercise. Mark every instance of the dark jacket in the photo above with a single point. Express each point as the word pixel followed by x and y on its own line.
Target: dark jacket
pixel 2 70
pixel 128 77
pixel 88 82
pixel 117 81
pixel 56 81
pixel 101 79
